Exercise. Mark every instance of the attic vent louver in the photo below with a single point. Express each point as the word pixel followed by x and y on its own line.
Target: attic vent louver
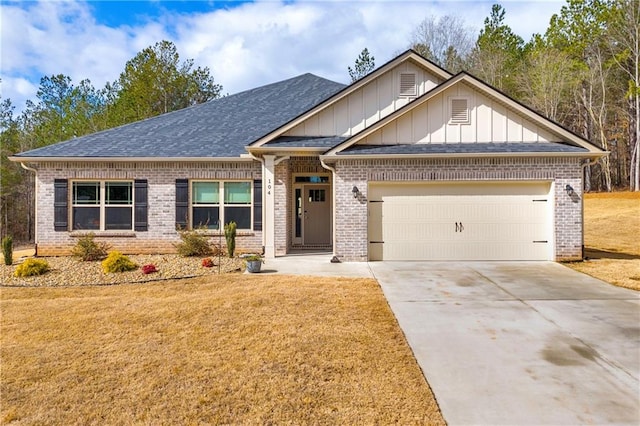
pixel 459 111
pixel 408 84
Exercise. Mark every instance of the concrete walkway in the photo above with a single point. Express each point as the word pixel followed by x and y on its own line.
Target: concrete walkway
pixel 315 264
pixel 519 343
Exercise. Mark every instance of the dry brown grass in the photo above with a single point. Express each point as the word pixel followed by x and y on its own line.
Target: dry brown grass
pixel 230 349
pixel 612 238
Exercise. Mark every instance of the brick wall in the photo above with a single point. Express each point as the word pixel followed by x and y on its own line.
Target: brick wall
pixel 351 227
pixel 161 234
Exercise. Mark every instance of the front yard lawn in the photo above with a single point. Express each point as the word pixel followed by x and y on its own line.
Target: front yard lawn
pixel 612 247
pixel 218 349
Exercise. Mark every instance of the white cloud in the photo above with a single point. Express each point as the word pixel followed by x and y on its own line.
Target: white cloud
pixel 244 46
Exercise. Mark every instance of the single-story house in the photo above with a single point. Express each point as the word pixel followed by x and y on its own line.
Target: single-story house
pixel 407 163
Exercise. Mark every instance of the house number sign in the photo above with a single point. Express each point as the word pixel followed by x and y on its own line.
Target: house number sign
pixel 269 186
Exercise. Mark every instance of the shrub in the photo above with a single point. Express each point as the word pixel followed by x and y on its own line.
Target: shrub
pixel 253 258
pixel 88 250
pixel 149 269
pixel 193 243
pixel 117 262
pixel 207 262
pixel 32 267
pixel 230 236
pixel 7 250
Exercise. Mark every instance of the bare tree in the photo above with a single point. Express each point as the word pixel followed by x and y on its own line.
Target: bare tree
pixel 546 81
pixel 625 32
pixel 447 41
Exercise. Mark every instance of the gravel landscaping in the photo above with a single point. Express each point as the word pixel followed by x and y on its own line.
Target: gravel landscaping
pixel 70 271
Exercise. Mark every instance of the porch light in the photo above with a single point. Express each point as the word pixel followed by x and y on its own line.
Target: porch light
pixel 355 191
pixel 569 190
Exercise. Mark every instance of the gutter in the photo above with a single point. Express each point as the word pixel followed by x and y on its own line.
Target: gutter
pixel 127 159
pixel 593 155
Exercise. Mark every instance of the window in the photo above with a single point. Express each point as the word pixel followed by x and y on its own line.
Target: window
pixel 459 111
pixel 101 205
pixel 316 196
pixel 205 201
pixel 220 202
pixel 408 85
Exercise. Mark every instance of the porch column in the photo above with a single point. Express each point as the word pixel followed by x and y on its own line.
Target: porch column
pixel 269 227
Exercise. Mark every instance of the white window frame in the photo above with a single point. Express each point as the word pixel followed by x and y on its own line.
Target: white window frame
pixel 102 203
pixel 221 201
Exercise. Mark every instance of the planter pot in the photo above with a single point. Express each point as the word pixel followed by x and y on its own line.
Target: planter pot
pixel 254 266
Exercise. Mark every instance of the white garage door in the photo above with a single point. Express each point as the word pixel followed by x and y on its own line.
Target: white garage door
pixel 460 221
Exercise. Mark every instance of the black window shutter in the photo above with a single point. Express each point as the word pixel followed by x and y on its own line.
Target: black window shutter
pixel 257 205
pixel 141 196
pixel 182 203
pixel 60 205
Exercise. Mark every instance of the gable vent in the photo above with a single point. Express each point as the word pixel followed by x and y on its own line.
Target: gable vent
pixel 459 111
pixel 408 85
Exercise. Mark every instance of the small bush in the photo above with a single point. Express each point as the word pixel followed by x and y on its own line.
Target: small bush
pixel 117 262
pixel 207 262
pixel 7 250
pixel 89 250
pixel 230 236
pixel 193 243
pixel 149 269
pixel 31 267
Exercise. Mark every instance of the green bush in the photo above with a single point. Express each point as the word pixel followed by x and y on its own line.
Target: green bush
pixel 32 267
pixel 117 262
pixel 7 250
pixel 230 236
pixel 88 250
pixel 194 243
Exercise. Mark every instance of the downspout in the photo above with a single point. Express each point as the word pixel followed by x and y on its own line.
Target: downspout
pixel 334 259
pixel 584 165
pixel 35 211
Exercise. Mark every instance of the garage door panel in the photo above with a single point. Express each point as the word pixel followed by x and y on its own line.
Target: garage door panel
pixel 485 221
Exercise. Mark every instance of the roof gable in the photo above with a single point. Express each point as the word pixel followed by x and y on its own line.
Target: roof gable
pixel 493 118
pixel 365 101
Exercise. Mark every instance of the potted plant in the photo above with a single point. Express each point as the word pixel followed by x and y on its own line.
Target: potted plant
pixel 254 262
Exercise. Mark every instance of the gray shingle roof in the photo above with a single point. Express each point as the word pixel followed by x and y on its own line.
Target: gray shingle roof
pixel 306 142
pixel 461 148
pixel 218 128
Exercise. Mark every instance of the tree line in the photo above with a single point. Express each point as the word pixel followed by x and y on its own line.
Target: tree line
pixel 582 73
pixel 154 82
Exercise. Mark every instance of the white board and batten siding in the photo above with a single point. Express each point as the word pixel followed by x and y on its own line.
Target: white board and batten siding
pixel 461 221
pixel 367 105
pixel 431 122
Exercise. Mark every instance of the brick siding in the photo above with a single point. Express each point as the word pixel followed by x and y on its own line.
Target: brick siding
pixel 351 232
pixel 161 234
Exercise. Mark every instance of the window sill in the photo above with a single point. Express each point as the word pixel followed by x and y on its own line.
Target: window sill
pixel 103 234
pixel 245 233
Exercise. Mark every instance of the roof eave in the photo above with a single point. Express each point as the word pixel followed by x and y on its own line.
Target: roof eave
pixel 334 157
pixel 279 149
pixel 125 159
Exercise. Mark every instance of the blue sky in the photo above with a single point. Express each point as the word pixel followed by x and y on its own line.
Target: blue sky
pixel 244 43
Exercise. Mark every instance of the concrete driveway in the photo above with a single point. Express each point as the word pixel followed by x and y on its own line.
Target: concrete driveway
pixel 519 342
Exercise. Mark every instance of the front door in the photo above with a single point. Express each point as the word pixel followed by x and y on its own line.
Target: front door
pixel 317 215
pixel 312 214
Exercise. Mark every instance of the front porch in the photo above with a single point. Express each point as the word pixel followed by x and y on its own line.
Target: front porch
pixel 300 191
